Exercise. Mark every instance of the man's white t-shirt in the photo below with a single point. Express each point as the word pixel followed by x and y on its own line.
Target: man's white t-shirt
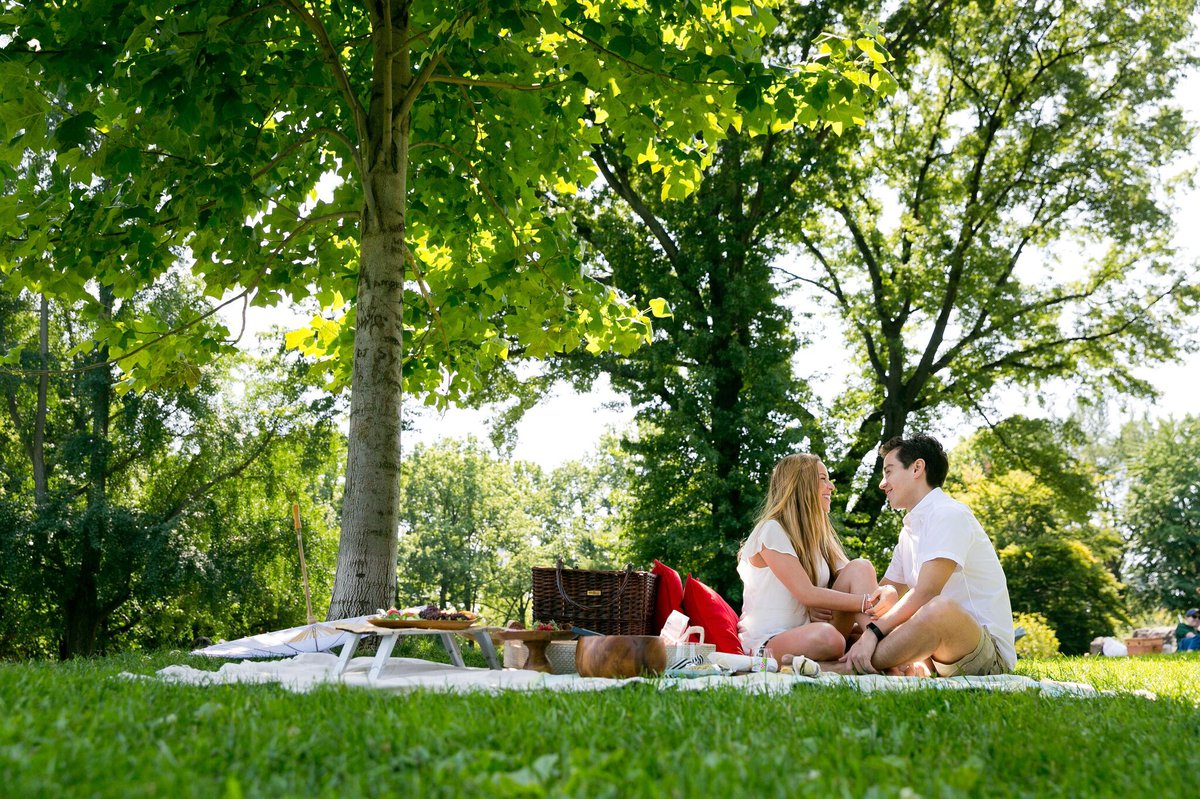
pixel 768 607
pixel 941 527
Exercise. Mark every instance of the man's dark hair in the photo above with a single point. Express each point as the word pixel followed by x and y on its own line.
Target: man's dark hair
pixel 922 446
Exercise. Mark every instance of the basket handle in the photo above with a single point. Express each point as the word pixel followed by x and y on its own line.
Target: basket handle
pixel 690 631
pixel 562 592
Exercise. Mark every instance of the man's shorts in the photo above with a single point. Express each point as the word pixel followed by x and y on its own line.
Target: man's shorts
pixel 984 659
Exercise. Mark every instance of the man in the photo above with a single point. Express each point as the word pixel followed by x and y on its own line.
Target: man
pixel 943 603
pixel 1187 632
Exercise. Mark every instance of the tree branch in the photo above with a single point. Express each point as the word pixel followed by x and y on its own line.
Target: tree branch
pixel 485 83
pixel 621 185
pixel 339 73
pixel 200 491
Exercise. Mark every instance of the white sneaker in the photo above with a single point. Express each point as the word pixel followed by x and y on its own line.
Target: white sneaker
pixel 805 667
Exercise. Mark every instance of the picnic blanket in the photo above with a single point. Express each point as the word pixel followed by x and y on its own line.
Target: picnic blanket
pixel 307 671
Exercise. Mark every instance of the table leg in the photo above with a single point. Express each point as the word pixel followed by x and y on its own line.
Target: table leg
pixel 346 654
pixel 452 647
pixel 386 644
pixel 484 639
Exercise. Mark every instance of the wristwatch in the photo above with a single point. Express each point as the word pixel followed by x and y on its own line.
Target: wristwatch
pixel 873 627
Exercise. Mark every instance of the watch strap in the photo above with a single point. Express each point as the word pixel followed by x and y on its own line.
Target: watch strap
pixel 873 627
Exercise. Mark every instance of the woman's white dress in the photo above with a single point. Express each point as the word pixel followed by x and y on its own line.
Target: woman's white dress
pixel 768 607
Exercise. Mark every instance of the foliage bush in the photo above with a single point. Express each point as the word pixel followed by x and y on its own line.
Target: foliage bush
pixel 1040 640
pixel 1162 516
pixel 1063 581
pixel 1042 510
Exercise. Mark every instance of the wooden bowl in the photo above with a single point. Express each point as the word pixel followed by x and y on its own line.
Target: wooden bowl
pixel 620 655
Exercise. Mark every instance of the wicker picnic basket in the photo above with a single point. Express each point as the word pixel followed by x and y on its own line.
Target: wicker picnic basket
pixel 561 655
pixel 1149 645
pixel 607 602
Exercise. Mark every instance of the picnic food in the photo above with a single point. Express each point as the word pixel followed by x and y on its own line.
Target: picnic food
pixel 392 614
pixel 550 625
pixel 434 613
pixel 423 613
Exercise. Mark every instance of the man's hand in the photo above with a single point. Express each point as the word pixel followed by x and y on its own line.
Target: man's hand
pixel 820 614
pixel 859 656
pixel 882 600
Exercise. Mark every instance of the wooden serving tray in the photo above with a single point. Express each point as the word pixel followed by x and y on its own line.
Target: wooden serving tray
pixel 424 624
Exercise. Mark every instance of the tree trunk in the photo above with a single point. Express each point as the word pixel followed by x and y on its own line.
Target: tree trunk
pixel 366 564
pixel 872 501
pixel 38 451
pixel 728 514
pixel 81 613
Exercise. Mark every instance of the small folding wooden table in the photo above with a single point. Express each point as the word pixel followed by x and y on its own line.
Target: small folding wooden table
pixel 389 636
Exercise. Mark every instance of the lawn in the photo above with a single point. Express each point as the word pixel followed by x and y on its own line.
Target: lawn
pixel 74 730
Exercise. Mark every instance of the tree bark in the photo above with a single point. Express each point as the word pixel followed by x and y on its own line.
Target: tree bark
pixel 366 565
pixel 82 614
pixel 41 490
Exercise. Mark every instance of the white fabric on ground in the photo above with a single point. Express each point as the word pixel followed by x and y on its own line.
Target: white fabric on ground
pixel 320 637
pixel 305 672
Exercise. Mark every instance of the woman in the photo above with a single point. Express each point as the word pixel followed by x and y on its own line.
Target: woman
pixel 802 596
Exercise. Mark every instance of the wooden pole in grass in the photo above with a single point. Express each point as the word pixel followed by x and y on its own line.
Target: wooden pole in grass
pixel 303 565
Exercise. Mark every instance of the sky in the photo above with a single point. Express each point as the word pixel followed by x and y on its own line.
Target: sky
pixel 567 426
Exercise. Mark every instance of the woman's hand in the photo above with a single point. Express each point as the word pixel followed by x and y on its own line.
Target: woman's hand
pixel 820 614
pixel 882 600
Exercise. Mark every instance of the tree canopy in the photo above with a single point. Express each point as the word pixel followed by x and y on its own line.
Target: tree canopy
pixel 196 134
pixel 1005 223
pixel 155 516
pixel 472 525
pixel 1042 507
pixel 1162 515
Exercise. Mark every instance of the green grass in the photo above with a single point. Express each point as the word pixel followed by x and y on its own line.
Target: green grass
pixel 73 730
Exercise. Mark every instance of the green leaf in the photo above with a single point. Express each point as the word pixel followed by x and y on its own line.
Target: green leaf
pixel 74 131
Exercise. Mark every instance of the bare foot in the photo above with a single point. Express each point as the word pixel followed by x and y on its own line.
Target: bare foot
pixel 834 667
pixel 919 668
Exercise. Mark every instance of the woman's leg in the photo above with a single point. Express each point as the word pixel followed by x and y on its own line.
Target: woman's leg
pixel 818 641
pixel 856 577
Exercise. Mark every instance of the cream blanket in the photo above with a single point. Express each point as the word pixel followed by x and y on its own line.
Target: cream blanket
pixel 305 672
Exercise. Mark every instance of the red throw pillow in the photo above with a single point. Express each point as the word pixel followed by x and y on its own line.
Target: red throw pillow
pixel 670 595
pixel 706 609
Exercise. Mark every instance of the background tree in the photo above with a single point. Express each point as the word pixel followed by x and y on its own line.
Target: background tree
pixel 1005 223
pixel 1043 508
pixel 205 127
pixel 718 402
pixel 473 524
pixel 125 530
pixel 1162 515
pixel 465 522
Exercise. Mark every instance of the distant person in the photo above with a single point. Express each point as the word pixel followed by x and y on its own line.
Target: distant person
pixel 943 605
pixel 1187 632
pixel 802 595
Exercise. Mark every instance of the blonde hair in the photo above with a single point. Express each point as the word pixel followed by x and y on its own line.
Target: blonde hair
pixel 794 500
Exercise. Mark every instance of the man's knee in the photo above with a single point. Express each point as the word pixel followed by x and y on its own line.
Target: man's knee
pixel 941 610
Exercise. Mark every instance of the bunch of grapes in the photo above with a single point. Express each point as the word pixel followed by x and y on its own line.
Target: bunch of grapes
pixel 434 613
